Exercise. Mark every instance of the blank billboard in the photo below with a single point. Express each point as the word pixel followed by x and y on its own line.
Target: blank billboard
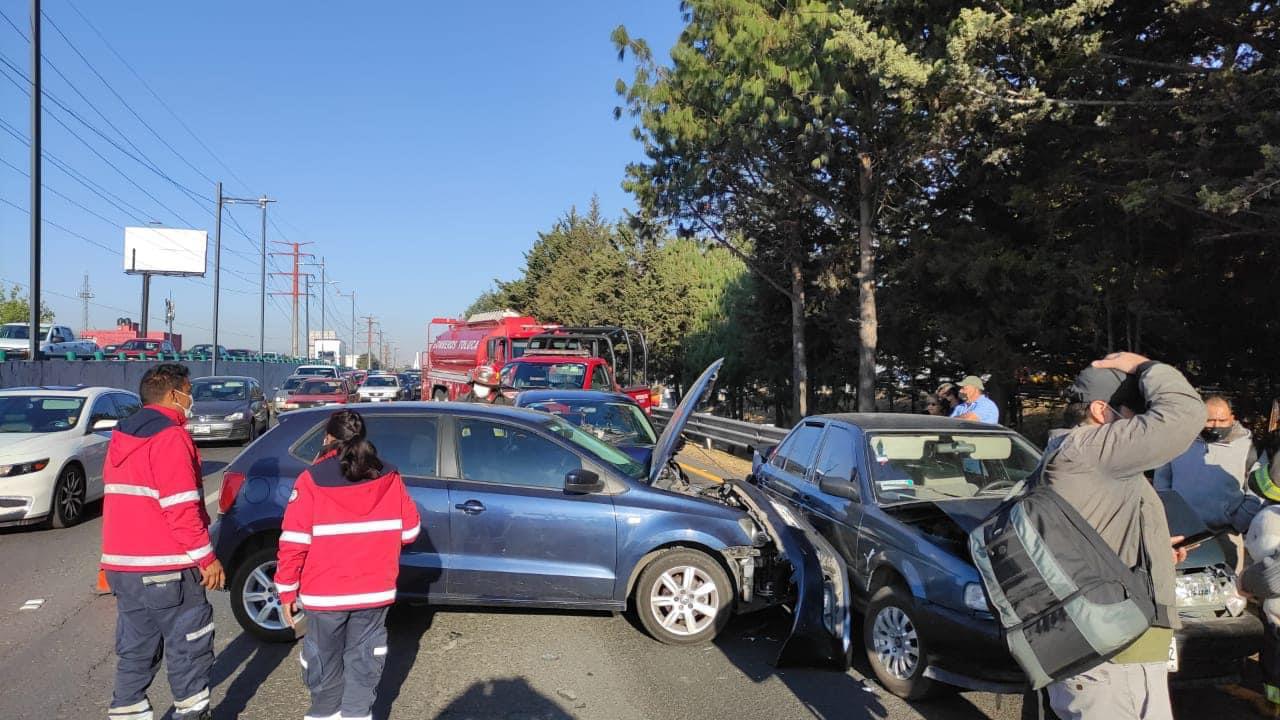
pixel 165 251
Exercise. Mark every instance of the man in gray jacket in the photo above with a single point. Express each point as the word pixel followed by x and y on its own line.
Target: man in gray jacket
pixel 1127 415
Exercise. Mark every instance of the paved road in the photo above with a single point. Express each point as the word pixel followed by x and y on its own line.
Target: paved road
pixel 57 661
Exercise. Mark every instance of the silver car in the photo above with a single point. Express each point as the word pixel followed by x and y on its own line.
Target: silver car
pixel 380 388
pixel 228 408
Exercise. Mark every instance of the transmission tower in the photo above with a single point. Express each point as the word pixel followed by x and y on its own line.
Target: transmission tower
pixel 85 295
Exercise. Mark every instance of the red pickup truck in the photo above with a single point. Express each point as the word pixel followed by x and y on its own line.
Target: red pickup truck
pixel 583 359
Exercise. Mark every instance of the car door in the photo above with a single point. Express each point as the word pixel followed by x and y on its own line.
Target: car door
pixel 258 404
pixel 787 471
pixel 835 514
pixel 92 448
pixel 516 535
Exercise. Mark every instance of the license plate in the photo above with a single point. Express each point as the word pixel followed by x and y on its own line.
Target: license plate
pixel 1173 655
pixel 199 429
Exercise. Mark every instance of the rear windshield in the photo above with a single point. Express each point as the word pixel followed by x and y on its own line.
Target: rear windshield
pixel 380 381
pixel 321 387
pixel 906 467
pixel 291 383
pixel 313 371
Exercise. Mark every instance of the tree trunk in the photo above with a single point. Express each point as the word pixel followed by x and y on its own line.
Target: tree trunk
pixel 799 361
pixel 867 327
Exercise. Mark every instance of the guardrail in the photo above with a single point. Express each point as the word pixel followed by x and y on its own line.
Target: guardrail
pixel 735 434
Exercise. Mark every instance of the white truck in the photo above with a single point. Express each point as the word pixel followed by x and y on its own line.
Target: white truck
pixel 55 341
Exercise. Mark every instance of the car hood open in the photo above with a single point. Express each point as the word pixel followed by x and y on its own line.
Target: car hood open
pixel 667 443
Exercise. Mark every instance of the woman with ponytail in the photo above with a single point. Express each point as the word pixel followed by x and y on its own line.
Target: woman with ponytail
pixel 347 518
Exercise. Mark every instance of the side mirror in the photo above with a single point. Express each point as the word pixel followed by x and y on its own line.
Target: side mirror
pixel 582 482
pixel 838 487
pixel 103 424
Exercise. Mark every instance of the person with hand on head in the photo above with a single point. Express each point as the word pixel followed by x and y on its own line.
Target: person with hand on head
pixel 976 406
pixel 1126 414
pixel 156 552
pixel 347 518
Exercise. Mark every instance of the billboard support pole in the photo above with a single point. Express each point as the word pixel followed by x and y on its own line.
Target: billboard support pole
pixel 34 300
pixel 217 278
pixel 146 301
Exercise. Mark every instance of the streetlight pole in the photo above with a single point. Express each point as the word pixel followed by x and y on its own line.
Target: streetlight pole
pixel 33 349
pixel 262 298
pixel 217 279
pixel 262 291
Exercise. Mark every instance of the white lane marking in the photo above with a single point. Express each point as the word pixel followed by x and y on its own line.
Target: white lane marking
pixel 32 604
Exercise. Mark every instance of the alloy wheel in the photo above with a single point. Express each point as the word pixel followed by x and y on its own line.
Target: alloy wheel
pixel 70 499
pixel 897 645
pixel 685 600
pixel 261 599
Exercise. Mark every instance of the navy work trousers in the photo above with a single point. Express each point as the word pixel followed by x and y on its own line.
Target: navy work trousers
pixel 159 613
pixel 342 657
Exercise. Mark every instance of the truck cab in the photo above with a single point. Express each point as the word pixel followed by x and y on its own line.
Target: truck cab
pixel 616 353
pixel 55 340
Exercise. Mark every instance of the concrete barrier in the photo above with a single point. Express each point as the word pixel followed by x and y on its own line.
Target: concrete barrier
pixel 125 375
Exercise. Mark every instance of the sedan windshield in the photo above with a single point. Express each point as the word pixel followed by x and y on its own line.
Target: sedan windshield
pixel 615 422
pixel 38 414
pixel 380 381
pixel 907 467
pixel 218 390
pixel 321 387
pixel 556 376
pixel 605 452
pixel 19 332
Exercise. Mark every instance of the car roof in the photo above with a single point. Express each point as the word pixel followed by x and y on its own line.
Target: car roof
pixel 532 396
pixel 245 378
pixel 909 422
pixel 503 412
pixel 62 390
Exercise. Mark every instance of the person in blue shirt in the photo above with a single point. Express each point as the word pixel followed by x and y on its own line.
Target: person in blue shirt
pixel 976 406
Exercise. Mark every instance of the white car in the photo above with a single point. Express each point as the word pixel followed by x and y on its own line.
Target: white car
pixel 380 388
pixel 53 443
pixel 320 371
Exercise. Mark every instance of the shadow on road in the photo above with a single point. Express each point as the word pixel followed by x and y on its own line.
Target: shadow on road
pixel 503 698
pixel 406 624
pixel 262 659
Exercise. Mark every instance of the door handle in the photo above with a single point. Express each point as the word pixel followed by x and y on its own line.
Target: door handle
pixel 471 507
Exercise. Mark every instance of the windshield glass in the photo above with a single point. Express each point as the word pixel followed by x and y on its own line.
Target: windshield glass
pixel 38 414
pixel 615 422
pixel 140 345
pixel 312 371
pixel 321 387
pixel 20 332
pixel 292 383
pixel 556 376
pixel 906 467
pixel 380 381
pixel 605 452
pixel 217 390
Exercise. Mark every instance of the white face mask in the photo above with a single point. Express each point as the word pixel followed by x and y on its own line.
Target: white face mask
pixel 481 391
pixel 186 410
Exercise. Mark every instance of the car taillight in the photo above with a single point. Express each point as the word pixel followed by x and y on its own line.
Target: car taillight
pixel 231 484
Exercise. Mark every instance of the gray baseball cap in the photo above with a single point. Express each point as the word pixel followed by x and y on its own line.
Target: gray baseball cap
pixel 1109 385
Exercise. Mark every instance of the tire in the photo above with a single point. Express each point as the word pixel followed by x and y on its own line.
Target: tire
pixel 253 435
pixel 68 505
pixel 249 596
pixel 683 597
pixel 895 649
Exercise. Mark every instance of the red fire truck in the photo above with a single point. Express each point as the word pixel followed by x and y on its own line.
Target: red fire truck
pixel 462 345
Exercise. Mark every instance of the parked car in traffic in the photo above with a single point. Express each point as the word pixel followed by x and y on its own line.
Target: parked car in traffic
pixel 55 341
pixel 53 443
pixel 327 371
pixel 280 395
pixel 520 508
pixel 207 350
pixel 228 407
pixel 897 494
pixel 380 388
pixel 320 391
pixel 612 417
pixel 143 348
pixel 241 354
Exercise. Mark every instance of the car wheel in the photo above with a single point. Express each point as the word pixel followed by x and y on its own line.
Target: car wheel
pixel 683 597
pixel 895 647
pixel 254 600
pixel 68 497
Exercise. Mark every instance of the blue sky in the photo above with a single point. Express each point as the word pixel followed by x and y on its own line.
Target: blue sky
pixel 420 146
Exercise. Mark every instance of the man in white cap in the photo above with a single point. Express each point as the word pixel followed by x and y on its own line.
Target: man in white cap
pixel 976 406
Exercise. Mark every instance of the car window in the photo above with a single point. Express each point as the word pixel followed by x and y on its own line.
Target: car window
pixel 936 466
pixel 600 379
pixel 796 454
pixel 104 408
pixel 506 455
pixel 409 442
pixel 835 459
pixel 126 405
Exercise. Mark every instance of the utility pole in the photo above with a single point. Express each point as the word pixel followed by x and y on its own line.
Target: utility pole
pixel 369 320
pixel 169 314
pixel 352 294
pixel 85 295
pixel 297 254
pixel 324 284
pixel 34 334
pixel 217 280
pixel 307 294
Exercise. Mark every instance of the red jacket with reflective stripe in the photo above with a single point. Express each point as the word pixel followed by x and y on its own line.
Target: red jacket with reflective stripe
pixel 153 514
pixel 341 540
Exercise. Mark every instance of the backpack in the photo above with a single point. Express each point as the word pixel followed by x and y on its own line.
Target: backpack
pixel 1064 599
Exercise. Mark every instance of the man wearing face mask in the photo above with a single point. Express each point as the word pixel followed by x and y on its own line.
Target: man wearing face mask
pixel 156 551
pixel 1211 475
pixel 486 387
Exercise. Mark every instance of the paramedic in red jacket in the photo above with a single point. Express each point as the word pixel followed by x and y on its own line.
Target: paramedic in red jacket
pixel 347 518
pixel 156 551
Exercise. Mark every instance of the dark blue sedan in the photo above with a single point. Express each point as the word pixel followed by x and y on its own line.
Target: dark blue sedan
pixel 520 508
pixel 612 417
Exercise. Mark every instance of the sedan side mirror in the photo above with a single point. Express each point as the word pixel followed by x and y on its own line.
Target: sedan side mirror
pixel 582 482
pixel 838 487
pixel 103 424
